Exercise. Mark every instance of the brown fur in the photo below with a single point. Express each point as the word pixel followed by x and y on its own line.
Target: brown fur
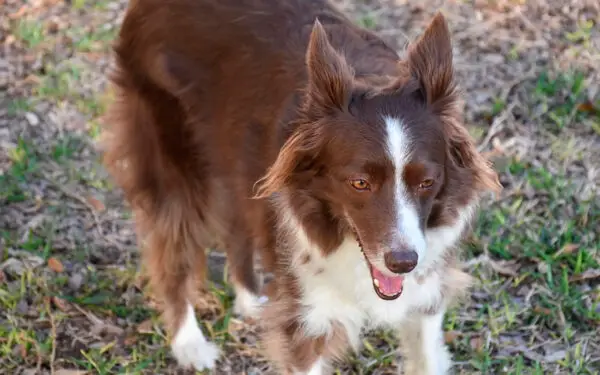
pixel 223 104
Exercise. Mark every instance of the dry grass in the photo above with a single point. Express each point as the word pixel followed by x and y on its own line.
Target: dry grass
pixel 69 293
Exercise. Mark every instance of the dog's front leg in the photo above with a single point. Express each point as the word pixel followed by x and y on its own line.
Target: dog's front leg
pixel 423 349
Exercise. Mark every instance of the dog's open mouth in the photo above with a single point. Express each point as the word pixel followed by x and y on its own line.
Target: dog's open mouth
pixel 386 287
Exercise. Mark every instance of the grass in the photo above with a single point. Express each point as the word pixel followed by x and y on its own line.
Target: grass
pixel 368 21
pixel 96 40
pixel 547 250
pixel 29 32
pixel 562 110
pixel 70 293
pixel 17 106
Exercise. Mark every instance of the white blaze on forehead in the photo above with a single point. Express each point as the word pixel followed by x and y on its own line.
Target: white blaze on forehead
pixel 407 227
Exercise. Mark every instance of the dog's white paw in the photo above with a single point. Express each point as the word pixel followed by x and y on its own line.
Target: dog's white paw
pixel 248 304
pixel 200 354
pixel 190 347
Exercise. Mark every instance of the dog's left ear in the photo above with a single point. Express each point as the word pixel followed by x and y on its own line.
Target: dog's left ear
pixel 329 75
pixel 430 62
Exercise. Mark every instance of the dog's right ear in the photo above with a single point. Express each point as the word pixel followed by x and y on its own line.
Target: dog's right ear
pixel 330 77
pixel 430 62
pixel 297 155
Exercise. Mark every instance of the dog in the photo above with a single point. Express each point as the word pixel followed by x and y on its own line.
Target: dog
pixel 280 131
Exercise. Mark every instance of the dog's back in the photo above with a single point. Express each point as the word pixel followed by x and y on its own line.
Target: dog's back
pixel 201 85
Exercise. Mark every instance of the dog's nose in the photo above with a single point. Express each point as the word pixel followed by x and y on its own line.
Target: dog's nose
pixel 401 261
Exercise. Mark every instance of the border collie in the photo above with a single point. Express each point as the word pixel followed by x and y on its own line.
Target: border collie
pixel 281 131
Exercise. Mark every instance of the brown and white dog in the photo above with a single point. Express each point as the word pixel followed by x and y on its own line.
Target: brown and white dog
pixel 280 129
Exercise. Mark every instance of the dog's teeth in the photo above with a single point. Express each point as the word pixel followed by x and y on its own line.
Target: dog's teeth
pixel 376 283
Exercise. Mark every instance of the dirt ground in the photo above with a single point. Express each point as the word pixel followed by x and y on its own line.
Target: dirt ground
pixel 71 301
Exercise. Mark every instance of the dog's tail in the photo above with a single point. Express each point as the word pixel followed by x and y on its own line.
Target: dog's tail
pixel 154 154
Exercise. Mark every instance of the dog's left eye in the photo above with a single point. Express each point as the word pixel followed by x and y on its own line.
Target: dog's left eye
pixel 426 184
pixel 360 184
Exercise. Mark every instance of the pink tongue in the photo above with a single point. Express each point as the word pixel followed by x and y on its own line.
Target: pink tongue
pixel 388 285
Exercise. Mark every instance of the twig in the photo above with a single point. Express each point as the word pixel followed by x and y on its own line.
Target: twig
pixel 496 127
pixel 512 84
pixel 38 352
pixel 91 317
pixel 53 335
pixel 97 322
pixel 498 120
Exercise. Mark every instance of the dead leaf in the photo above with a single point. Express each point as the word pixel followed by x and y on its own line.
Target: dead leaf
pixel 30 79
pixel 145 326
pixel 451 336
pixel 55 265
pixel 98 205
pixel 46 3
pixel 476 343
pixel 22 350
pixel 587 107
pixel 60 303
pixel 498 147
pixel 542 310
pixel 29 58
pixel 130 340
pixel 567 249
pixel 10 40
pixel 2 277
pixel 19 13
pixel 505 267
pixel 588 274
pixel 92 56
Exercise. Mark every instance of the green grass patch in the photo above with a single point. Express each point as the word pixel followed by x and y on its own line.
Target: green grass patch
pixel 30 32
pixel 368 21
pixel 562 98
pixel 18 106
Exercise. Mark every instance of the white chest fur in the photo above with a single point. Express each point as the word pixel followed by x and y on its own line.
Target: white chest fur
pixel 339 289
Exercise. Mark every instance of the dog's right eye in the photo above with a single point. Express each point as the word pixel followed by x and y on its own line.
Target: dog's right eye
pixel 426 184
pixel 360 184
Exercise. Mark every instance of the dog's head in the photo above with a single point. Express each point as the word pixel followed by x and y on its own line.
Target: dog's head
pixel 390 165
